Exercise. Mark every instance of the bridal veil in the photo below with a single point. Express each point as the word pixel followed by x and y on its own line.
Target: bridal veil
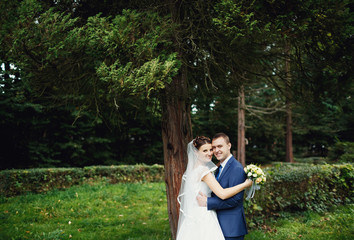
pixel 198 166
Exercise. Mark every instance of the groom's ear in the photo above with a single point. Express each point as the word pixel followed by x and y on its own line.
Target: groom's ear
pixel 229 145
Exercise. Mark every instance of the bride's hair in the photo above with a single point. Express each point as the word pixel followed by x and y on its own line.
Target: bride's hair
pixel 200 141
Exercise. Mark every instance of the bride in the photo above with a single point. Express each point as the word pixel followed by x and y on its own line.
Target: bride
pixel 197 222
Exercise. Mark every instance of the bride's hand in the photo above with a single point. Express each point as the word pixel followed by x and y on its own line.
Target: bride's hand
pixel 202 199
pixel 248 182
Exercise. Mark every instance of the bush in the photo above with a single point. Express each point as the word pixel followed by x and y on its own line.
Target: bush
pixel 342 152
pixel 289 187
pixel 299 188
pixel 127 173
pixel 15 182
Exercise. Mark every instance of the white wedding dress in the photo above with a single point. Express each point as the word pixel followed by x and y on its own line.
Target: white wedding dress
pixel 196 222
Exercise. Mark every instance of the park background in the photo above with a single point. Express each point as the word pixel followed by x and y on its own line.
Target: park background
pixel 89 89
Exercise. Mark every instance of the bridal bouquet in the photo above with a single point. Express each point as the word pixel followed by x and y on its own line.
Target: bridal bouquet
pixel 258 177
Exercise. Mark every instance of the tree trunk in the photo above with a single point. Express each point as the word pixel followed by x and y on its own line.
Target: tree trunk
pixel 176 126
pixel 241 141
pixel 289 134
pixel 176 133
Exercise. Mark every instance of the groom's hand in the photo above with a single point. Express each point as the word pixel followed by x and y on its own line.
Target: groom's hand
pixel 202 199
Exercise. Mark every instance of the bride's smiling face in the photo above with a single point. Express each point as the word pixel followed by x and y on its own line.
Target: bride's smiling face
pixel 206 151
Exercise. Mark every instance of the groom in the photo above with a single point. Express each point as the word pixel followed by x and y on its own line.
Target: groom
pixel 230 173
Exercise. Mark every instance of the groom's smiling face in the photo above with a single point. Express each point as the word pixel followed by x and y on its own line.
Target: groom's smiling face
pixel 221 148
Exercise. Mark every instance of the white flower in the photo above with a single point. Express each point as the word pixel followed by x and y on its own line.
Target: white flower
pixel 254 172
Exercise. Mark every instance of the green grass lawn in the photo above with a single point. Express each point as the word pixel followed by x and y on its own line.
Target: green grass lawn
pixel 138 211
pixel 121 211
pixel 335 224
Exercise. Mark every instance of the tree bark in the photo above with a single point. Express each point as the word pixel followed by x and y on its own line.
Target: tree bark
pixel 241 141
pixel 289 134
pixel 176 133
pixel 176 125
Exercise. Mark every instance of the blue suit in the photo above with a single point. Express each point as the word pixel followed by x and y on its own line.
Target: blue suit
pixel 230 211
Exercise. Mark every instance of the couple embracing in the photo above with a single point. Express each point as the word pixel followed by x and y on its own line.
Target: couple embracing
pixel 211 205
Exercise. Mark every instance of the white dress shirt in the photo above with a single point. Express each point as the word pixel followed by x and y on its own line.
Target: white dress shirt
pixel 224 163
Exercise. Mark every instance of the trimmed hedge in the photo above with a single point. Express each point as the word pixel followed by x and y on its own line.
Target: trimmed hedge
pixel 15 182
pixel 301 187
pixel 127 173
pixel 289 187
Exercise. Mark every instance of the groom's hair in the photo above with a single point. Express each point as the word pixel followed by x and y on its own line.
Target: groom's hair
pixel 223 135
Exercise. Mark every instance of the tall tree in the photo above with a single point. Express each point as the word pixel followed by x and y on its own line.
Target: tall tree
pixel 244 54
pixel 241 140
pixel 288 103
pixel 103 63
pixel 106 61
pixel 303 28
pixel 176 128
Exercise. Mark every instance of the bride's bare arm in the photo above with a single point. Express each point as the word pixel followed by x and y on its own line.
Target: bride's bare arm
pixel 224 193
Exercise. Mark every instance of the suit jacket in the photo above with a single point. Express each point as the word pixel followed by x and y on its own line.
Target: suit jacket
pixel 230 211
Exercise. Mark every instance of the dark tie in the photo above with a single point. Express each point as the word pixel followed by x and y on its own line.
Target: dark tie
pixel 218 171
